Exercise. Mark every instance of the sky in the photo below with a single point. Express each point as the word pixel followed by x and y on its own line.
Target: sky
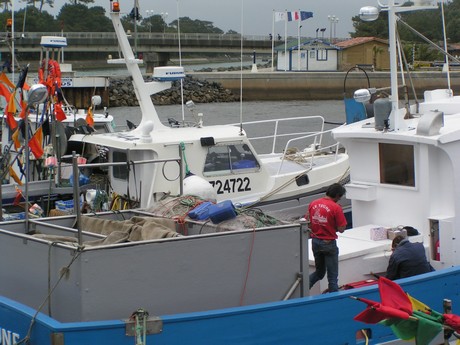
pixel 257 14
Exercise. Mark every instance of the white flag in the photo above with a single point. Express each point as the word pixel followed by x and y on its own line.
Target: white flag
pixel 279 16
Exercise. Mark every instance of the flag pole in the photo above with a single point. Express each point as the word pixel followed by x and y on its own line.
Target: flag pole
pixel 285 40
pixel 273 37
pixel 298 42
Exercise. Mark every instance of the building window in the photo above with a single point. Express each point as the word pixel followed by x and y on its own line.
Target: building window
pixel 321 55
pixel 397 164
pixel 312 54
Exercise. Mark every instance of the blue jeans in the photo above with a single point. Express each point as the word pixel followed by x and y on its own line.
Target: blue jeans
pixel 326 259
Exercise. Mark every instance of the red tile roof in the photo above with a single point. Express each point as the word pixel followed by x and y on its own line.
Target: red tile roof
pixel 359 40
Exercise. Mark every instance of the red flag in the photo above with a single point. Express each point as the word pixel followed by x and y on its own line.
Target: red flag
pixel 376 312
pixel 18 197
pixel 11 107
pixel 14 176
pixel 35 146
pixel 11 121
pixel 22 115
pixel 5 92
pixel 395 304
pixel 89 117
pixel 15 137
pixel 392 295
pixel 4 79
pixel 10 111
pixel 59 113
pixel 453 321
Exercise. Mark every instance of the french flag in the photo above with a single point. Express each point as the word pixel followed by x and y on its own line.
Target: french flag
pixel 293 16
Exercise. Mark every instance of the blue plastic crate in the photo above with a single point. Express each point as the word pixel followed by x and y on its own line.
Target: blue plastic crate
pixel 222 211
pixel 201 212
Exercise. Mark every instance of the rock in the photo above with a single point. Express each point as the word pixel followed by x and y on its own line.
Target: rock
pixel 121 93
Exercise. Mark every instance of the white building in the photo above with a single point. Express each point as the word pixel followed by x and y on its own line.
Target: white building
pixel 314 55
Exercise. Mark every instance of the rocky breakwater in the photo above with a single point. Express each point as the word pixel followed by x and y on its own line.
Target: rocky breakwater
pixel 121 93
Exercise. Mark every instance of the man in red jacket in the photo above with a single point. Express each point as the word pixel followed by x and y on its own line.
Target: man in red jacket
pixel 326 219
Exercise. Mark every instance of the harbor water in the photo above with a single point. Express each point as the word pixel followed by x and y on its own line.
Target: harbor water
pixel 333 112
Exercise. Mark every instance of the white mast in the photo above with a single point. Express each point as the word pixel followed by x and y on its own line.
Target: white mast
pixel 396 122
pixel 142 89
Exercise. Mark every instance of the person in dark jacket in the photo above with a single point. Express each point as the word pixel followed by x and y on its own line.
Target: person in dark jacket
pixel 408 259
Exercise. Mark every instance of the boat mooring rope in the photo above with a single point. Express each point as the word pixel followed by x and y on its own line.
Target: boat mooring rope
pixel 64 272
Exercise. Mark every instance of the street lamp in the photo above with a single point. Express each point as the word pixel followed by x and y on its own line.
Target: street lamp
pixel 298 48
pixel 164 15
pixel 333 20
pixel 149 14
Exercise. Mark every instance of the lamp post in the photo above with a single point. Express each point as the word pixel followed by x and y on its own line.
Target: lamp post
pixel 298 47
pixel 164 15
pixel 149 14
pixel 333 20
pixel 335 28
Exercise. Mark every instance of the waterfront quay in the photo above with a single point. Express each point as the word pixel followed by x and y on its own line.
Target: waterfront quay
pixel 272 86
pixel 278 86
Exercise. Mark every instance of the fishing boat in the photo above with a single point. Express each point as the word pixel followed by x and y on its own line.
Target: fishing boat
pixel 126 276
pixel 288 160
pixel 50 124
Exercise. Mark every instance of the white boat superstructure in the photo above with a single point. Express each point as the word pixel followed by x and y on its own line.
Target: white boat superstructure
pixel 404 173
pixel 298 161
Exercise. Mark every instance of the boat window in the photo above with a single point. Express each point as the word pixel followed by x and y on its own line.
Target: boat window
pixel 397 164
pixel 120 171
pixel 229 158
pixel 101 128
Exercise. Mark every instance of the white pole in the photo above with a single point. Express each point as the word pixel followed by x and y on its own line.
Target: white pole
pixel 285 42
pixel 12 43
pixel 298 42
pixel 180 62
pixel 445 48
pixel 395 120
pixel 241 70
pixel 273 38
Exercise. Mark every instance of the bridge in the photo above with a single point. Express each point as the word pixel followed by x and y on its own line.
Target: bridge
pixel 105 43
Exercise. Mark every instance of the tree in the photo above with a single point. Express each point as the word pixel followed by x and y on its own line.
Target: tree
pixel 196 26
pixel 75 2
pixel 377 28
pixel 35 20
pixel 80 18
pixel 153 23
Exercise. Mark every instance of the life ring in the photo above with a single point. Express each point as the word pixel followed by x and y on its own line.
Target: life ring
pixel 53 79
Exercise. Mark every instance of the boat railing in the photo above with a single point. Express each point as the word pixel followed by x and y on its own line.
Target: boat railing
pixel 276 135
pixel 311 152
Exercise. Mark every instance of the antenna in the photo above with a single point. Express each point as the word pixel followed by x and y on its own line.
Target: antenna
pixel 180 64
pixel 445 48
pixel 241 68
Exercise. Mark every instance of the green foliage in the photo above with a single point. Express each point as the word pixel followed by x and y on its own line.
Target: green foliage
pixel 153 23
pixel 36 21
pixel 76 16
pixel 427 22
pixel 80 18
pixel 197 26
pixel 377 28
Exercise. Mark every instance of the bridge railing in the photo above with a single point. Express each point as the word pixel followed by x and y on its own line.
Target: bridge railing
pixel 147 35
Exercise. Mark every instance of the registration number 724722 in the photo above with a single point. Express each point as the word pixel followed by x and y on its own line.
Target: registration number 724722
pixel 232 185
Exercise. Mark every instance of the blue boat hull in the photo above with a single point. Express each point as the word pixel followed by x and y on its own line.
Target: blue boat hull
pixel 324 319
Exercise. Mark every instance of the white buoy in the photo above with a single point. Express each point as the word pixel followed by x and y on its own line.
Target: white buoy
pixel 198 186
